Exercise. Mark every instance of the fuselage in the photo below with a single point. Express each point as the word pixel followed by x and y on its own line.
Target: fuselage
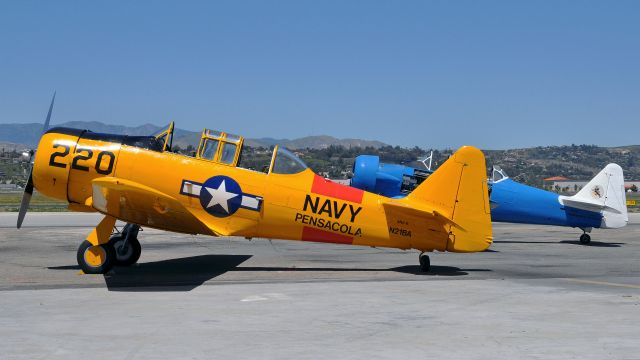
pixel 222 199
pixel 518 203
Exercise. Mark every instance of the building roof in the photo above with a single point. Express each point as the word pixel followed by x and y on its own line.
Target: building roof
pixel 556 178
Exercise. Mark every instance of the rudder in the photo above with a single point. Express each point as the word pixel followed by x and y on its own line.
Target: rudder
pixel 458 190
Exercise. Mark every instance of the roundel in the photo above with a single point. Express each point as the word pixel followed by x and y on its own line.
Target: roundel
pixel 220 196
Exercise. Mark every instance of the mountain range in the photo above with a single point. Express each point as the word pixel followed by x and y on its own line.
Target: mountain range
pixel 28 134
pixel 528 165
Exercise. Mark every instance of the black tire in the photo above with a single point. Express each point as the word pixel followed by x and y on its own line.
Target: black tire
pixel 425 263
pixel 585 239
pixel 132 253
pixel 88 255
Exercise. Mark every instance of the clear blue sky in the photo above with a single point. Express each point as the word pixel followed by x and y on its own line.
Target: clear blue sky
pixel 495 74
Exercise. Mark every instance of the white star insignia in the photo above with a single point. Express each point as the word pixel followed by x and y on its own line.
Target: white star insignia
pixel 220 196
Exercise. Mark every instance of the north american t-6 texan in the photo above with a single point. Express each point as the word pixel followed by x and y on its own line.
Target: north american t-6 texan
pixel 140 181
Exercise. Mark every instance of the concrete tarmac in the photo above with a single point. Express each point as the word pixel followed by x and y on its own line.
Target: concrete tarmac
pixel 537 293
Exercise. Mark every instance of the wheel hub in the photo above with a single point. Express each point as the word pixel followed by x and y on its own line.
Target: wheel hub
pixel 123 250
pixel 95 256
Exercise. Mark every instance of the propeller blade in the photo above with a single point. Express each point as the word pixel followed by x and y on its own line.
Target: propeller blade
pixel 26 198
pixel 46 122
pixel 28 189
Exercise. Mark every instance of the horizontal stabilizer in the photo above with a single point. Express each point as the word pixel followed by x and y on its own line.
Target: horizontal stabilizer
pixel 403 209
pixel 588 205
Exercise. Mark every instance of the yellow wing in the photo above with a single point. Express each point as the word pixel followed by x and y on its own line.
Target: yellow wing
pixel 140 204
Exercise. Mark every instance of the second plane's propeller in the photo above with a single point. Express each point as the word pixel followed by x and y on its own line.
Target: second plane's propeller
pixel 28 189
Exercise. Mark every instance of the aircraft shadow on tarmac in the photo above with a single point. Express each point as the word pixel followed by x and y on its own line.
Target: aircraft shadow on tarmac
pixel 436 270
pixel 181 274
pixel 187 273
pixel 572 242
pixel 408 269
pixel 592 243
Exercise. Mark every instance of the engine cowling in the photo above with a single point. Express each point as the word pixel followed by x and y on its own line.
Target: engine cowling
pixel 390 180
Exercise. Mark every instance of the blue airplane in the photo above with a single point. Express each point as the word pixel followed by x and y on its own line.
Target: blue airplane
pixel 600 204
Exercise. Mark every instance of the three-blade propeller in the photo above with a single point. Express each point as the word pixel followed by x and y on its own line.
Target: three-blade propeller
pixel 28 189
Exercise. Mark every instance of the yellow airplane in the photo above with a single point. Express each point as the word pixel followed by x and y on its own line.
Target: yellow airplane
pixel 139 180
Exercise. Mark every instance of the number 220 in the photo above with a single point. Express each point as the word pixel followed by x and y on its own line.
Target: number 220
pixel 82 154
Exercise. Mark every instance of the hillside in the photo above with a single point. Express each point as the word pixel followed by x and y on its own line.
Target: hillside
pixel 531 165
pixel 578 162
pixel 334 157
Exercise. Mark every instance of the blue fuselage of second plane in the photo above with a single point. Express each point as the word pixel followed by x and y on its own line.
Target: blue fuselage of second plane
pixel 518 203
pixel 512 201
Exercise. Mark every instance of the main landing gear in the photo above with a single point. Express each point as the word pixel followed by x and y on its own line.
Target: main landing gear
pixel 100 252
pixel 96 259
pixel 585 238
pixel 425 263
pixel 126 245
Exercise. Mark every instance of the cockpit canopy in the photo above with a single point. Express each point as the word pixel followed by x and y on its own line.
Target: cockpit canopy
pixel 220 147
pixel 225 148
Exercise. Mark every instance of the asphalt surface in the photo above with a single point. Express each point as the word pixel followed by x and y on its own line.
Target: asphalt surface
pixel 537 293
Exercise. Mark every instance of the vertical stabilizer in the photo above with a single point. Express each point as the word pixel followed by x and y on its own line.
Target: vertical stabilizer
pixel 605 193
pixel 458 191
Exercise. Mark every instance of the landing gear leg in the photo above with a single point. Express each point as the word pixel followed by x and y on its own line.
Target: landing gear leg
pixel 425 263
pixel 126 245
pixel 585 238
pixel 95 254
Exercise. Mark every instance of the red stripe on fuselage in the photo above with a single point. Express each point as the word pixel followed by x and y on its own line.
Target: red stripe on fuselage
pixel 322 186
pixel 317 235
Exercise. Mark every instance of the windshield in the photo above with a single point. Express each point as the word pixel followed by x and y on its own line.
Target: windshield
pixel 498 174
pixel 286 162
pixel 166 137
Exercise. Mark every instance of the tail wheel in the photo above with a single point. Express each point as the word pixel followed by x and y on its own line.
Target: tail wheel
pixel 425 263
pixel 98 259
pixel 127 252
pixel 585 239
